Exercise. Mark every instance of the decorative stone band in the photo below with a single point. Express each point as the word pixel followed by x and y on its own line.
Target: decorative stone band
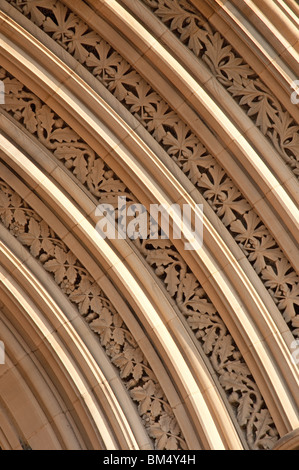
pixel 96 309
pixel 210 332
pixel 175 137
pixel 232 71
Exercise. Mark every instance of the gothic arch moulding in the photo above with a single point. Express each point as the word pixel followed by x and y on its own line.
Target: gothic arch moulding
pixel 139 343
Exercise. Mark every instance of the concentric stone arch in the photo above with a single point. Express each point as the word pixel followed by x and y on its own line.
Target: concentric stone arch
pixel 186 349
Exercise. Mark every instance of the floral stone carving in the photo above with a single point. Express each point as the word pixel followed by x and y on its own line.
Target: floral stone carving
pixel 231 70
pixel 205 323
pixel 96 309
pixel 172 133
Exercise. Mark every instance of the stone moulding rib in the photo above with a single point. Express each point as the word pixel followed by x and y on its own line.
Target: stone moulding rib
pixel 292 251
pixel 21 276
pixel 123 276
pixel 223 99
pixel 261 207
pixel 236 142
pixel 245 322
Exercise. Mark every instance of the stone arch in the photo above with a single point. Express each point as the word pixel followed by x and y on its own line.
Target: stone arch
pixel 253 319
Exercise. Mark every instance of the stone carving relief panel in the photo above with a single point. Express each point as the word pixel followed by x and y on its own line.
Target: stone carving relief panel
pixel 82 290
pixel 210 332
pixel 176 138
pixel 232 71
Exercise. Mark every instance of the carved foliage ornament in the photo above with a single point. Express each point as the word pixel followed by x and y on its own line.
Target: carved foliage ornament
pixel 183 146
pixel 208 328
pixel 240 80
pixel 97 310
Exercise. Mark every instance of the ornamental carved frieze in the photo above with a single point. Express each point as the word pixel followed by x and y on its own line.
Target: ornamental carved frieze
pixel 93 305
pixel 234 73
pixel 176 138
pixel 211 334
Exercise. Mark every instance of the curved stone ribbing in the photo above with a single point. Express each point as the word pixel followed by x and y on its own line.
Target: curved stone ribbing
pixel 182 145
pixel 234 73
pixel 215 340
pixel 97 310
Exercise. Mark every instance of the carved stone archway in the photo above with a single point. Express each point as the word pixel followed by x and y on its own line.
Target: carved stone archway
pixel 142 344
